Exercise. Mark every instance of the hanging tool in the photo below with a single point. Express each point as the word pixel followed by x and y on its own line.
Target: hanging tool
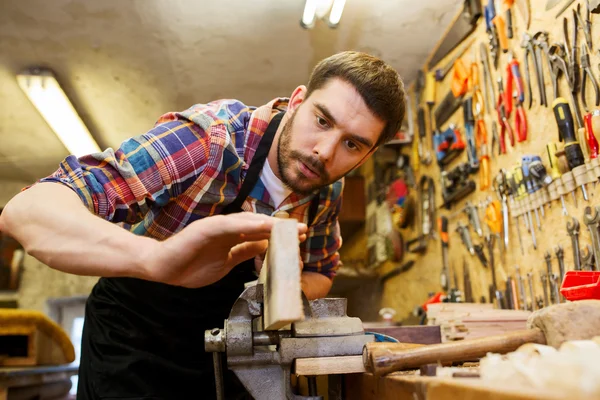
pixel 533 187
pixel 503 119
pixel 426 215
pixel 465 237
pixel 456 184
pixel 527 44
pixel 468 289
pixel 445 275
pixel 558 250
pixel 440 73
pixel 548 259
pixel 488 82
pixel 481 255
pixel 538 172
pixel 469 121
pixel 512 74
pixel 586 24
pixel 448 145
pixel 521 191
pixel 521 286
pixel 495 293
pixel 531 292
pixel 500 24
pixel 453 99
pixel 587 73
pixel 423 153
pixel 471 211
pixel 566 131
pixel 511 192
pixel 501 189
pixel 461 28
pixel 484 158
pixel 592 119
pixel 573 232
pixel 490 28
pixel 539 41
pixel 571 52
pixel 495 140
pixel 507 5
pixel 555 172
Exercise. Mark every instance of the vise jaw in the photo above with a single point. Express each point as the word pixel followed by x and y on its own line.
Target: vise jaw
pixel 262 360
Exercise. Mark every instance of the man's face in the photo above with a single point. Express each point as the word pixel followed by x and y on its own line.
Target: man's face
pixel 328 134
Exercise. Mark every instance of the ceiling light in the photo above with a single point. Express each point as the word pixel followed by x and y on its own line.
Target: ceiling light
pixel 43 90
pixel 330 10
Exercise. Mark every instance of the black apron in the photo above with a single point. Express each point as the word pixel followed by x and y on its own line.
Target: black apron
pixel 145 340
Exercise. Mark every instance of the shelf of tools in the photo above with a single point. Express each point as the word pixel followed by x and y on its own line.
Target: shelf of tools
pixel 507 119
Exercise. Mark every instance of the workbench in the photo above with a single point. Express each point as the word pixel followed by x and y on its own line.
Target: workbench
pixel 410 386
pixel 30 382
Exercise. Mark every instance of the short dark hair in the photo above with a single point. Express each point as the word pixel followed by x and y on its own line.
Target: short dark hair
pixel 378 83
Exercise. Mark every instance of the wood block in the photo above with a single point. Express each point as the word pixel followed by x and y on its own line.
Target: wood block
pixel 329 365
pixel 280 276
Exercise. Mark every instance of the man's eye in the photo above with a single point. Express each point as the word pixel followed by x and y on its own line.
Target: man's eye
pixel 322 122
pixel 351 145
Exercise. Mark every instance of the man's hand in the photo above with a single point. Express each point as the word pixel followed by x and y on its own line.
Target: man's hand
pixel 206 250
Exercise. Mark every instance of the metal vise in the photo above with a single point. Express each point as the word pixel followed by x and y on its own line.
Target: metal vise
pixel 262 360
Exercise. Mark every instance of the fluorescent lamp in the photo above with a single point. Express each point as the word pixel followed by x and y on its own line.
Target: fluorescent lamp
pixel 43 90
pixel 336 12
pixel 310 10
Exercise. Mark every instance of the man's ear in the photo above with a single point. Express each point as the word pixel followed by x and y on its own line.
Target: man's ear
pixel 297 97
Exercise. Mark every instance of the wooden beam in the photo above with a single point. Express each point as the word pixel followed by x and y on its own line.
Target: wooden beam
pixel 329 365
pixel 280 276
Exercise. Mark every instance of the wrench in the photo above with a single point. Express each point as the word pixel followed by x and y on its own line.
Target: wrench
pixel 591 217
pixel 521 287
pixel 555 286
pixel 587 259
pixel 531 306
pixel 548 259
pixel 544 279
pixel 573 231
pixel 560 255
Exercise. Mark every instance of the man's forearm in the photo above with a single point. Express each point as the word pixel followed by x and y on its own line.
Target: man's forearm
pixel 54 226
pixel 315 285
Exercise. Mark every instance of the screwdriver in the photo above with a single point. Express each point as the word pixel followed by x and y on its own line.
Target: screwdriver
pixel 522 195
pixel 533 183
pixel 444 237
pixel 566 131
pixel 532 187
pixel 555 172
pixel 511 191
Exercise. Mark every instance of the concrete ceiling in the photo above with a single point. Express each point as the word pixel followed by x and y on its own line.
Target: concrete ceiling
pixel 124 63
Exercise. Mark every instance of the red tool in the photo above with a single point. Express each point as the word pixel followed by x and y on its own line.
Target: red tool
pixel 512 73
pixel 589 132
pixel 503 120
pixel 520 122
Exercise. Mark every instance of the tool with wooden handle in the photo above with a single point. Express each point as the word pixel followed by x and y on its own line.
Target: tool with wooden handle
pixel 552 326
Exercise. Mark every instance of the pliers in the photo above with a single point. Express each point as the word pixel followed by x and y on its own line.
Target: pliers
pixel 587 72
pixel 503 119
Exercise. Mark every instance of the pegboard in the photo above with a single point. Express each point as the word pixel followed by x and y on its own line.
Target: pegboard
pixel 411 288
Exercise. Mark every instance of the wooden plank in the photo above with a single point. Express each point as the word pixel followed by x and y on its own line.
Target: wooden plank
pixel 329 365
pixel 280 276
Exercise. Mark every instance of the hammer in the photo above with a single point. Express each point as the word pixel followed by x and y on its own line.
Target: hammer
pixel 552 326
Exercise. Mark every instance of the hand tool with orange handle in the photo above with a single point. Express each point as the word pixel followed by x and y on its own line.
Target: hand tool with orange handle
pixel 500 24
pixel 484 157
pixel 444 237
pixel 506 5
pixel 592 123
pixel 492 219
pixel 453 99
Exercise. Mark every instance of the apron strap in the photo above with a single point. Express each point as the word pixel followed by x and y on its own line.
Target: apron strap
pixel 256 166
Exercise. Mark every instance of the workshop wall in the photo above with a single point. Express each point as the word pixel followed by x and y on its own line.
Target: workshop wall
pixel 411 288
pixel 39 282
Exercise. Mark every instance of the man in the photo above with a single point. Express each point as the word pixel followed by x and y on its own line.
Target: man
pixel 172 273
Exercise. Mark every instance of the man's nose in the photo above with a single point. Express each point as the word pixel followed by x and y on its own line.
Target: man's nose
pixel 325 148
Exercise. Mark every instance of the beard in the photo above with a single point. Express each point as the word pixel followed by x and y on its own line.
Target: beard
pixel 287 160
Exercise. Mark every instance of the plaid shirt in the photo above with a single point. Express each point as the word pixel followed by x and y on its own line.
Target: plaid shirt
pixel 189 166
